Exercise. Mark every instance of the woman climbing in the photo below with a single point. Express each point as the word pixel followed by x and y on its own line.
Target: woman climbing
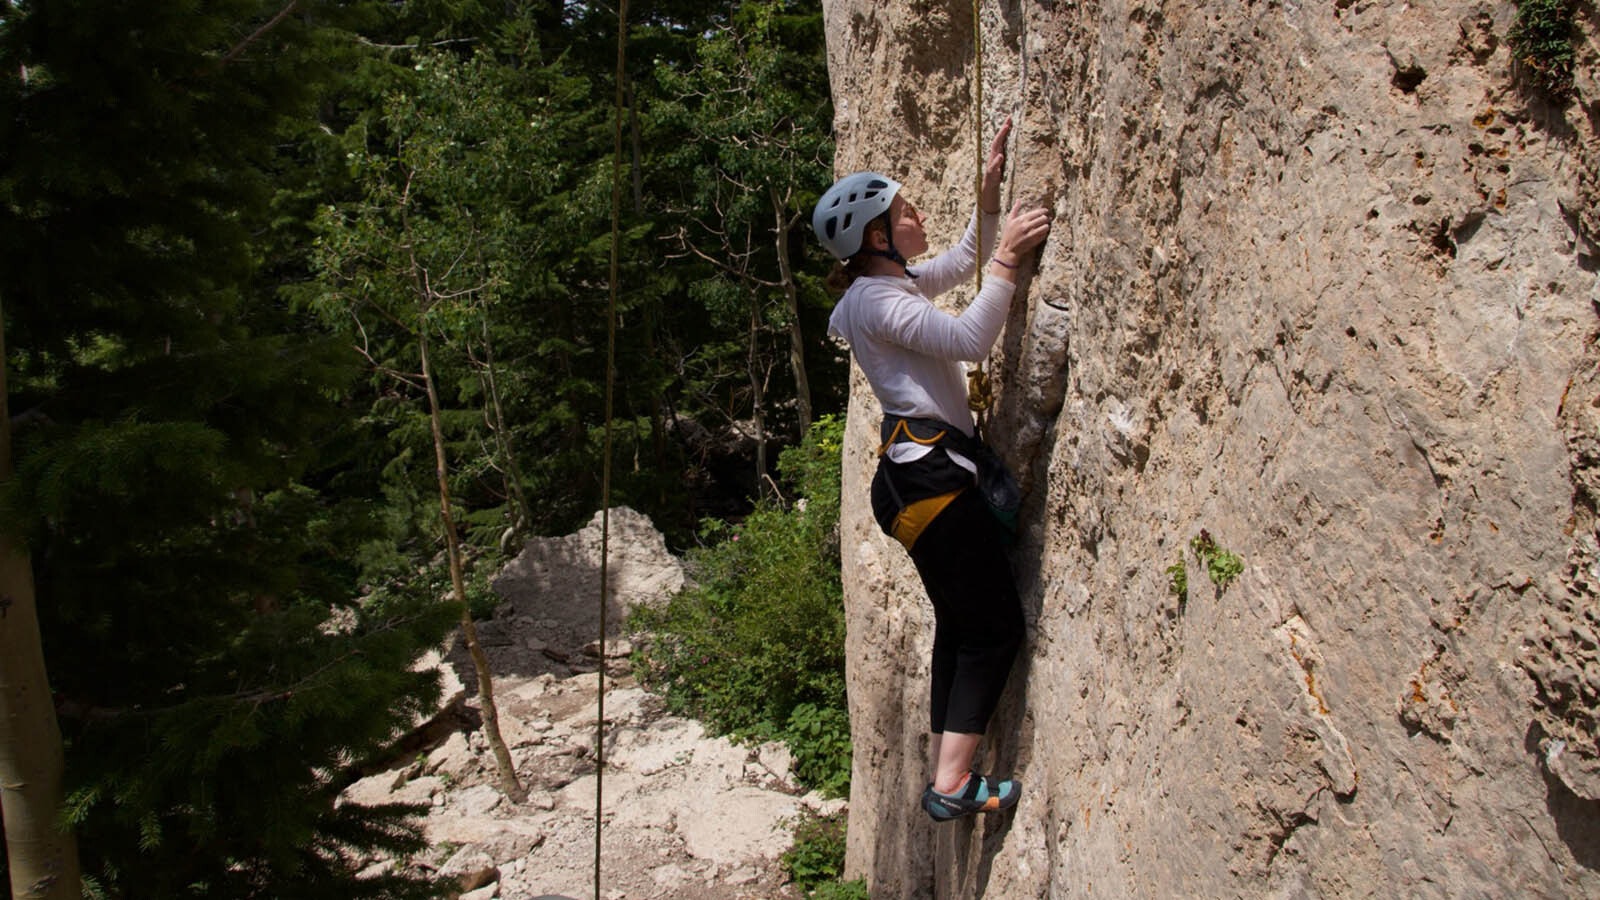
pixel 922 493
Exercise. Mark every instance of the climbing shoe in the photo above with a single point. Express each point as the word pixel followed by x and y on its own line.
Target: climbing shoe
pixel 981 794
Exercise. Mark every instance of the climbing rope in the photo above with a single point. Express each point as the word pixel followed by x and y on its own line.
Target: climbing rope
pixel 605 464
pixel 980 391
pixel 977 128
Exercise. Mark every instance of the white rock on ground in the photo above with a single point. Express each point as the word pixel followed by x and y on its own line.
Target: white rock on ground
pixel 685 814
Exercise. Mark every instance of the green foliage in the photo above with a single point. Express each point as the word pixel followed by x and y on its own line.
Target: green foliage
pixel 1178 580
pixel 177 453
pixel 815 862
pixel 449 171
pixel 842 890
pixel 1542 41
pixel 491 156
pixel 205 470
pixel 736 197
pixel 481 598
pixel 818 851
pixel 812 469
pixel 1222 565
pixel 756 647
pixel 279 708
pixel 819 739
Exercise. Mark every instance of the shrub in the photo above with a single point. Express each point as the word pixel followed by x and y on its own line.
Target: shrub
pixel 842 890
pixel 1178 581
pixel 816 861
pixel 1541 40
pixel 756 647
pixel 1221 564
pixel 819 739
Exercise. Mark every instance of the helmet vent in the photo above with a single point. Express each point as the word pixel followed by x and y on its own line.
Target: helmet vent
pixel 850 206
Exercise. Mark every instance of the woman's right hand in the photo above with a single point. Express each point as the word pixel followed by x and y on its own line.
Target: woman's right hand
pixel 1025 229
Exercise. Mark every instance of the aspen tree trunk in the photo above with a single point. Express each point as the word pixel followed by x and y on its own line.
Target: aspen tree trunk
pixel 41 854
pixel 509 785
pixel 502 433
pixel 791 293
pixel 638 153
pixel 758 395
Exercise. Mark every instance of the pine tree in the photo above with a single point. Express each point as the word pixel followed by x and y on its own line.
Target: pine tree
pixel 175 441
pixel 414 264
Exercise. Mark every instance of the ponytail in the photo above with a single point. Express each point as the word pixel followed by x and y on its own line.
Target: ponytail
pixel 845 273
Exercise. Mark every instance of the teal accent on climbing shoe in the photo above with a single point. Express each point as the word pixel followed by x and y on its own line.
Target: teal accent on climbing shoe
pixel 982 794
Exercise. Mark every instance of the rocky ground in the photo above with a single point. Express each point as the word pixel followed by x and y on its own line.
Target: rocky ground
pixel 684 814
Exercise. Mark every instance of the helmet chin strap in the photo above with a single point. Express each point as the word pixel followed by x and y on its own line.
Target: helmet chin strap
pixel 890 254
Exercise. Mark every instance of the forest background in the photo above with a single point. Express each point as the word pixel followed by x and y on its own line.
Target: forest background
pixel 242 243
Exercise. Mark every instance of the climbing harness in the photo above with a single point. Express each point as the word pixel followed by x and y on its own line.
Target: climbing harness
pixel 906 497
pixel 605 465
pixel 930 485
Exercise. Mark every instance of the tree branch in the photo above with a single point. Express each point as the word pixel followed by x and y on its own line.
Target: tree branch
pixel 743 275
pixel 272 23
pixel 376 46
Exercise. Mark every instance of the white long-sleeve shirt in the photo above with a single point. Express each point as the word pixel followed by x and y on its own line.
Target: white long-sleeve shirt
pixel 910 350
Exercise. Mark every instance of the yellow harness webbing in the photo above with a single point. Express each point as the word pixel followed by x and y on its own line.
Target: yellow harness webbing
pixel 914 517
pixel 901 428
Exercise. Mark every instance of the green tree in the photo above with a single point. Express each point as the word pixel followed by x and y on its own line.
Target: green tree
pixel 516 195
pixel 174 430
pixel 756 646
pixel 752 171
pixel 202 474
pixel 416 264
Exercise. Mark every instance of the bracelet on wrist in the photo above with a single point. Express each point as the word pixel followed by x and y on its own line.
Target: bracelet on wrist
pixel 1011 266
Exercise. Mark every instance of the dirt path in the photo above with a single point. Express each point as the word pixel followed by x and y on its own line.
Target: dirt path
pixel 685 815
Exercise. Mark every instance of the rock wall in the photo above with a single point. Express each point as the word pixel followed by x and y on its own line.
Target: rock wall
pixel 1322 283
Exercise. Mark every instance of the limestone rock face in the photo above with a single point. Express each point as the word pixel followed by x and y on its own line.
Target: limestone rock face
pixel 1322 283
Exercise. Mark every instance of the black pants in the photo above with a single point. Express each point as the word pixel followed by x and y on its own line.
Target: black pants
pixel 977 613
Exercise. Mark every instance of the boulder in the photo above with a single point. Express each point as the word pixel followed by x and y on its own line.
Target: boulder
pixel 731 827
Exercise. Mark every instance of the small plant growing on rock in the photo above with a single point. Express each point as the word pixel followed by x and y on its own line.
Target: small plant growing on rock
pixel 1222 565
pixel 1178 581
pixel 1541 41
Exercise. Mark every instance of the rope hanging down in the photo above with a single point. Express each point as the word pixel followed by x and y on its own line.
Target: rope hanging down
pixel 980 392
pixel 605 465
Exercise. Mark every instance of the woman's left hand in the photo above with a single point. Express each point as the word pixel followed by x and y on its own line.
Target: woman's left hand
pixel 995 169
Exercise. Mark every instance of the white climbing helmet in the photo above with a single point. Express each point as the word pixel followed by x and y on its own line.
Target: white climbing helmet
pixel 842 214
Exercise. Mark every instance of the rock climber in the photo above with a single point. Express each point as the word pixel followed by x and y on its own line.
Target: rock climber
pixel 923 492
